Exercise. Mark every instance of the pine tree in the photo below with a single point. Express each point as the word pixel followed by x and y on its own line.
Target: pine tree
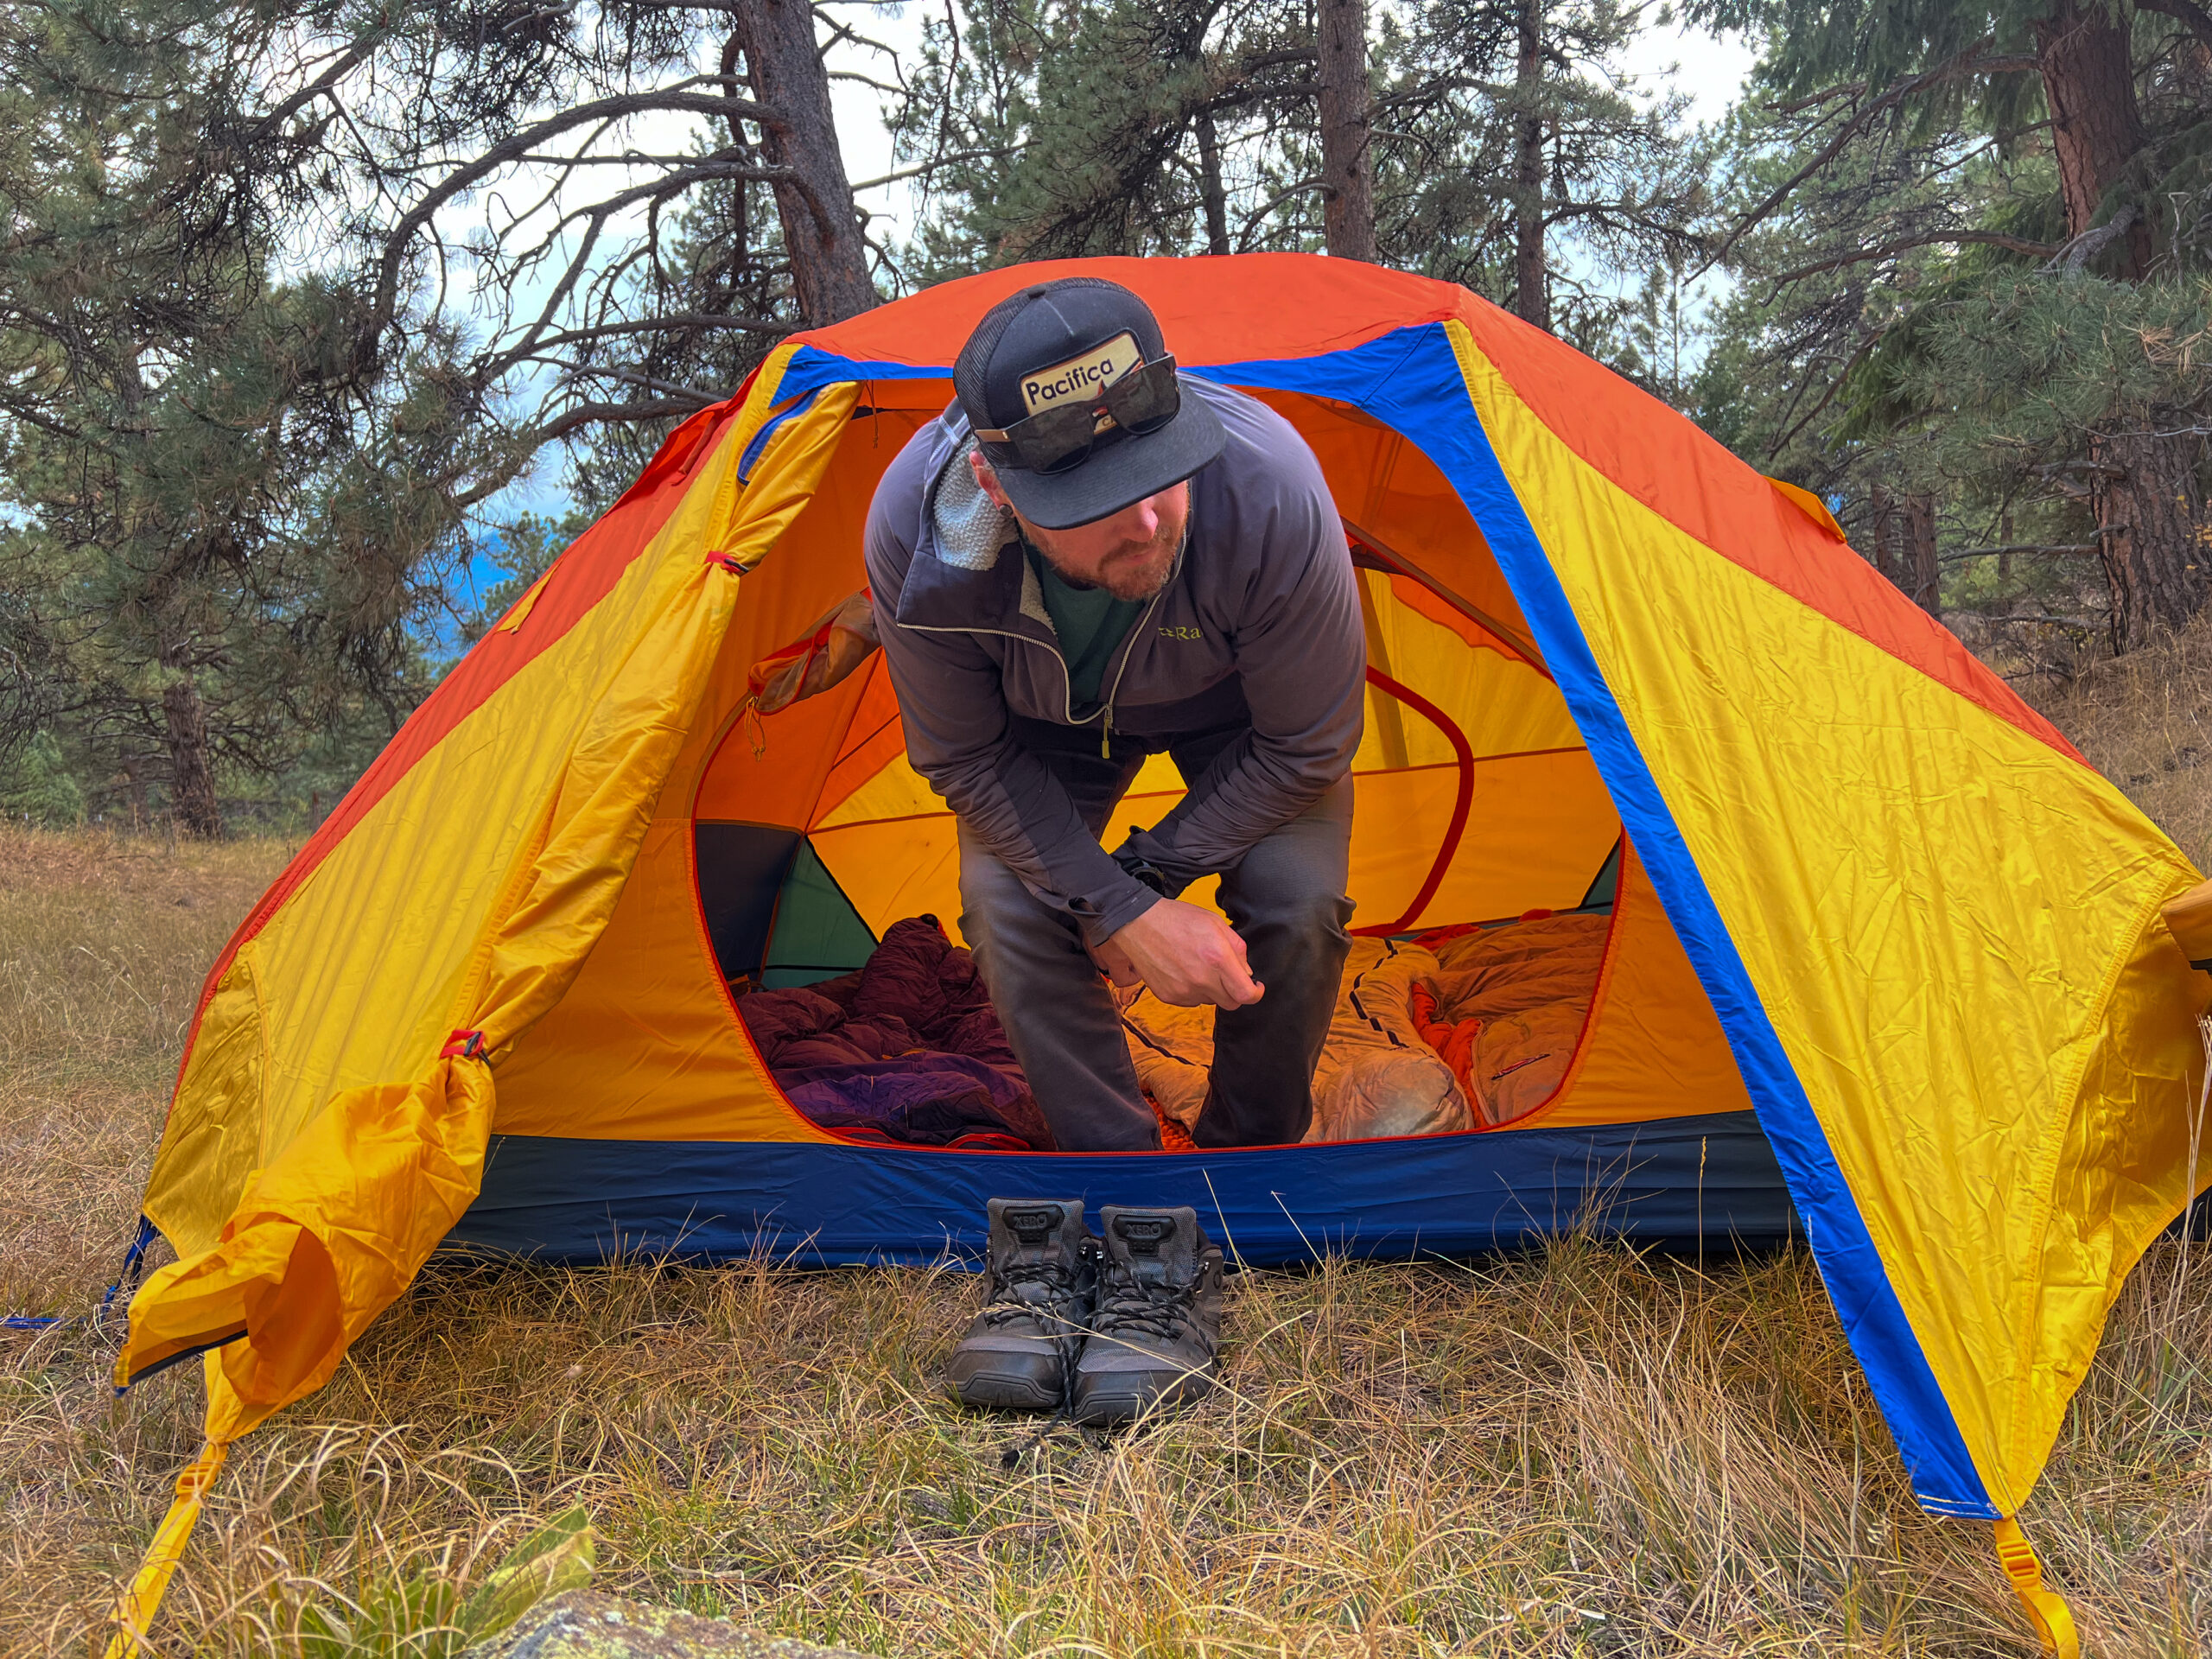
pixel 223 524
pixel 2022 378
pixel 37 785
pixel 1535 169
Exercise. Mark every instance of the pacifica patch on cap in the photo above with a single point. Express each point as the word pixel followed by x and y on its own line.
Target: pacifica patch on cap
pixel 1083 377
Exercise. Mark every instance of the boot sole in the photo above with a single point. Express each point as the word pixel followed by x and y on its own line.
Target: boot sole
pixel 988 1391
pixel 1104 1407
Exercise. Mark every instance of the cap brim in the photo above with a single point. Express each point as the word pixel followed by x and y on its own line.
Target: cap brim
pixel 1120 474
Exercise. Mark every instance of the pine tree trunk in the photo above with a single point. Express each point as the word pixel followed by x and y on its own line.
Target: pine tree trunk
pixel 1884 534
pixel 741 228
pixel 191 779
pixel 1211 191
pixel 134 784
pixel 2149 507
pixel 1347 163
pixel 2088 80
pixel 1922 575
pixel 821 228
pixel 2153 534
pixel 1531 295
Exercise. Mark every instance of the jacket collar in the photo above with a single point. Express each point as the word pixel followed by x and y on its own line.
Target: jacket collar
pixel 1004 597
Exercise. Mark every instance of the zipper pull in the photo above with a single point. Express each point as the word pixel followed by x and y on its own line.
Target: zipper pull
pixel 1105 734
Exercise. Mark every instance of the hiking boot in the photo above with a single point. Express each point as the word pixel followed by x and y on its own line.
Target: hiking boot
pixel 1018 1351
pixel 1158 1326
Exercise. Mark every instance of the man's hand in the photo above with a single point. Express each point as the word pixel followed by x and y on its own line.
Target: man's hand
pixel 1185 955
pixel 1109 955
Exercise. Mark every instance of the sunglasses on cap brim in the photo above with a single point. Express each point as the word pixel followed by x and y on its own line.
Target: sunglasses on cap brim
pixel 1057 440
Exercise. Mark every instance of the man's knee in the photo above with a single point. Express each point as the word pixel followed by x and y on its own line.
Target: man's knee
pixel 1294 881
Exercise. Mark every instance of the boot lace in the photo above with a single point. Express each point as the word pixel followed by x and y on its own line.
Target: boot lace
pixel 1052 1286
pixel 1129 1305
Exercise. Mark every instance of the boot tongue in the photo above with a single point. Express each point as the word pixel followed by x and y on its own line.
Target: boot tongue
pixel 1156 1250
pixel 1032 1238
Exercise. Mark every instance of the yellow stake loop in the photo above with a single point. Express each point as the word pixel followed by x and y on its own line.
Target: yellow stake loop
pixel 2047 1609
pixel 143 1598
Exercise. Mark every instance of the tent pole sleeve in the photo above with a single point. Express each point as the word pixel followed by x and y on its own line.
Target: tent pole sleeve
pixel 143 1598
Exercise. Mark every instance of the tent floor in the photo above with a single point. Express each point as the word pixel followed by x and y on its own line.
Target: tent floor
pixel 1709 1179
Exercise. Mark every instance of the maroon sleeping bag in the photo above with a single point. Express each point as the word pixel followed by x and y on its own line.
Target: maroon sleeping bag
pixel 908 1049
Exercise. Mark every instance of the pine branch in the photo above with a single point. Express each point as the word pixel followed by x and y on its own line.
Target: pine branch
pixel 2091 243
pixel 1835 385
pixel 1847 89
pixel 582 415
pixel 1861 255
pixel 513 149
pixel 348 62
pixel 2192 16
pixel 1968 61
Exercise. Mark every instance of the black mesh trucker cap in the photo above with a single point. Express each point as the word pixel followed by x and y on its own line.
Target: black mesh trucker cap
pixel 1051 340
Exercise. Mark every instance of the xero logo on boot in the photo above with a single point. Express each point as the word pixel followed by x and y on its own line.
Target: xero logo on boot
pixel 1033 1226
pixel 1143 1234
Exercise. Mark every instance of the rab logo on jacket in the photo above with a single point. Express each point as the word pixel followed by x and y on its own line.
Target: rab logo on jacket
pixel 1080 377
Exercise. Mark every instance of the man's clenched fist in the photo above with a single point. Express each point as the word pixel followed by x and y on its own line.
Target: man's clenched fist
pixel 1183 955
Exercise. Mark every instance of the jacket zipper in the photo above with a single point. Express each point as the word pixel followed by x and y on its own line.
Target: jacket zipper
pixel 1067 679
pixel 1128 648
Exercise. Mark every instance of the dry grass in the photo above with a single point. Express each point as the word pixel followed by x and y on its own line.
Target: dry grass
pixel 1582 1452
pixel 104 942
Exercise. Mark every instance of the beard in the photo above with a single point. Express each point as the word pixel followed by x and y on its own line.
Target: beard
pixel 1135 570
pixel 1141 572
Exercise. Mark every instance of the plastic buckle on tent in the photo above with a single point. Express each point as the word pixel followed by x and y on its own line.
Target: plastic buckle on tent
pixel 2047 1609
pixel 463 1045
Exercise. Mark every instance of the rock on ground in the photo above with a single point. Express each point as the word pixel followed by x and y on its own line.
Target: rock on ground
pixel 583 1625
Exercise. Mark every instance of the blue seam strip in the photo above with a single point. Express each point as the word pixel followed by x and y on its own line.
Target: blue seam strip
pixel 772 425
pixel 129 1272
pixel 1927 1433
pixel 147 1234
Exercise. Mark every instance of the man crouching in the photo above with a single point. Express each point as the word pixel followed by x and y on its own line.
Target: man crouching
pixel 1091 558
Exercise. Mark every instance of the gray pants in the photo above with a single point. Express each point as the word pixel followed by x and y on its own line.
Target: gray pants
pixel 1286 897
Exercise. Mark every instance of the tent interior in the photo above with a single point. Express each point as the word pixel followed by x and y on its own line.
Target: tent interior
pixel 785 847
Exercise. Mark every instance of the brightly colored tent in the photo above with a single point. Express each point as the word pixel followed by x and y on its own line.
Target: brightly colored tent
pixel 1877 929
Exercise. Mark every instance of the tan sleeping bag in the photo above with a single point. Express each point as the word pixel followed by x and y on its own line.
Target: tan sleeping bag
pixel 1376 1076
pixel 1530 984
pixel 1523 965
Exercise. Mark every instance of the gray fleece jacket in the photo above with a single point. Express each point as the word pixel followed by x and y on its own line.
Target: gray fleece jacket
pixel 1259 626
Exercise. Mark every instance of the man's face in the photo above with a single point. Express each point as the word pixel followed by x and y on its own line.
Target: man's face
pixel 1129 554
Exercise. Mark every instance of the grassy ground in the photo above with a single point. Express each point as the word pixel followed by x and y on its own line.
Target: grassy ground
pixel 1578 1452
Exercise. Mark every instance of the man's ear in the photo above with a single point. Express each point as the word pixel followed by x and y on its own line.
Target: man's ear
pixel 986 480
